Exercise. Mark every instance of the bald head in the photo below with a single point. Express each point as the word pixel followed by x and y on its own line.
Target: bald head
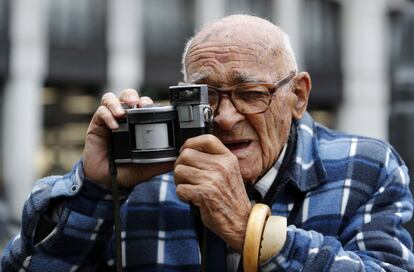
pixel 269 42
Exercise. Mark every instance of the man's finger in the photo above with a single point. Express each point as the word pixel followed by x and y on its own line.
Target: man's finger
pixel 198 159
pixel 112 102
pixel 130 97
pixel 206 143
pixel 103 115
pixel 184 174
pixel 188 193
pixel 145 100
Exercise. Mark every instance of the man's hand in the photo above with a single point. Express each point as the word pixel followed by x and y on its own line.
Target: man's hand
pixel 95 156
pixel 207 174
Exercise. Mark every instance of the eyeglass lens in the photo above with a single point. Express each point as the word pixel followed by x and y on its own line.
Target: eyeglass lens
pixel 246 99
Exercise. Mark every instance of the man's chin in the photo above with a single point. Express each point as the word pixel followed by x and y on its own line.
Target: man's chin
pixel 249 182
pixel 249 171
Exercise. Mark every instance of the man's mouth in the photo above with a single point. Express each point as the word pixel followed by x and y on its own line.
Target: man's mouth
pixel 237 145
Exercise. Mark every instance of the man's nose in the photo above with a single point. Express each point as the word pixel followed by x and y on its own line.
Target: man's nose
pixel 226 115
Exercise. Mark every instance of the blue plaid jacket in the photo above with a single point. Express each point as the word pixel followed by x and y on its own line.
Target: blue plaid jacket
pixel 346 200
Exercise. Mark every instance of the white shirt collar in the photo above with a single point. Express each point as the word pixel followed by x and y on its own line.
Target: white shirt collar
pixel 266 181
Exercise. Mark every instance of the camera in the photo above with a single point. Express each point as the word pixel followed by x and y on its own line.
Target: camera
pixel 155 134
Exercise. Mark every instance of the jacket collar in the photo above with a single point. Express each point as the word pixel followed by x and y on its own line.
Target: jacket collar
pixel 306 170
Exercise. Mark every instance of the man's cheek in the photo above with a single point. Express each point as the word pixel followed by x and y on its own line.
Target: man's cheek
pixel 280 122
pixel 277 129
pixel 273 128
pixel 269 153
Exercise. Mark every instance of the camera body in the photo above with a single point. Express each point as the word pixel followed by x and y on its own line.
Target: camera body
pixel 155 134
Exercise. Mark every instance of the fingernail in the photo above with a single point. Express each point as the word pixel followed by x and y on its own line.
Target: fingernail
pixel 133 98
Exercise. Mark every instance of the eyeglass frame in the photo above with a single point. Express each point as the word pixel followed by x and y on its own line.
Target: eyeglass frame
pixel 272 87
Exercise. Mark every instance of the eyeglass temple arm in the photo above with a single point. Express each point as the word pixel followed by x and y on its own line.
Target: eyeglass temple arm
pixel 284 80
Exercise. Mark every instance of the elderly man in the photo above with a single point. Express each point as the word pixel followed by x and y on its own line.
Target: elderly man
pixel 337 201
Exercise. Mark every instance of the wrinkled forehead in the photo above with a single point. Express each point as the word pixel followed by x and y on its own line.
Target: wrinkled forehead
pixel 229 61
pixel 232 64
pixel 255 46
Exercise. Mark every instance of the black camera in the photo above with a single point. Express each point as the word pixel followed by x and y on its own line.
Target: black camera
pixel 155 133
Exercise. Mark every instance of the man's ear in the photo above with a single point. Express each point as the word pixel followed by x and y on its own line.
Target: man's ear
pixel 301 88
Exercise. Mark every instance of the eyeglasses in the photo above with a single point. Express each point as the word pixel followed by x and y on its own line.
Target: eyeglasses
pixel 248 98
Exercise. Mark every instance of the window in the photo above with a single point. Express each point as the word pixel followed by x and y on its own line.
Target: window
pixel 4 38
pixel 401 53
pixel 168 25
pixel 4 62
pixel 77 42
pixel 67 113
pixel 77 24
pixel 4 18
pixel 261 8
pixel 76 76
pixel 401 128
pixel 322 52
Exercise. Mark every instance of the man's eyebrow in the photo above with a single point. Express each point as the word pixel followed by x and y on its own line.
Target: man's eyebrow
pixel 198 78
pixel 237 78
pixel 240 78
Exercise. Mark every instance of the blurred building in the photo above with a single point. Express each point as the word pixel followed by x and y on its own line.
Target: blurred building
pixel 58 57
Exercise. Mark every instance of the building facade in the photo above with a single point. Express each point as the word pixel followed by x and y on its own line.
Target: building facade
pixel 58 57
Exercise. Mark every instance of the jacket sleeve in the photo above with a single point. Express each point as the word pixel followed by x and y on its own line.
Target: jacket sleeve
pixel 372 240
pixel 82 233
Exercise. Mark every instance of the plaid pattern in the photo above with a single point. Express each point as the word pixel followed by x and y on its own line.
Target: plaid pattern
pixel 346 200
